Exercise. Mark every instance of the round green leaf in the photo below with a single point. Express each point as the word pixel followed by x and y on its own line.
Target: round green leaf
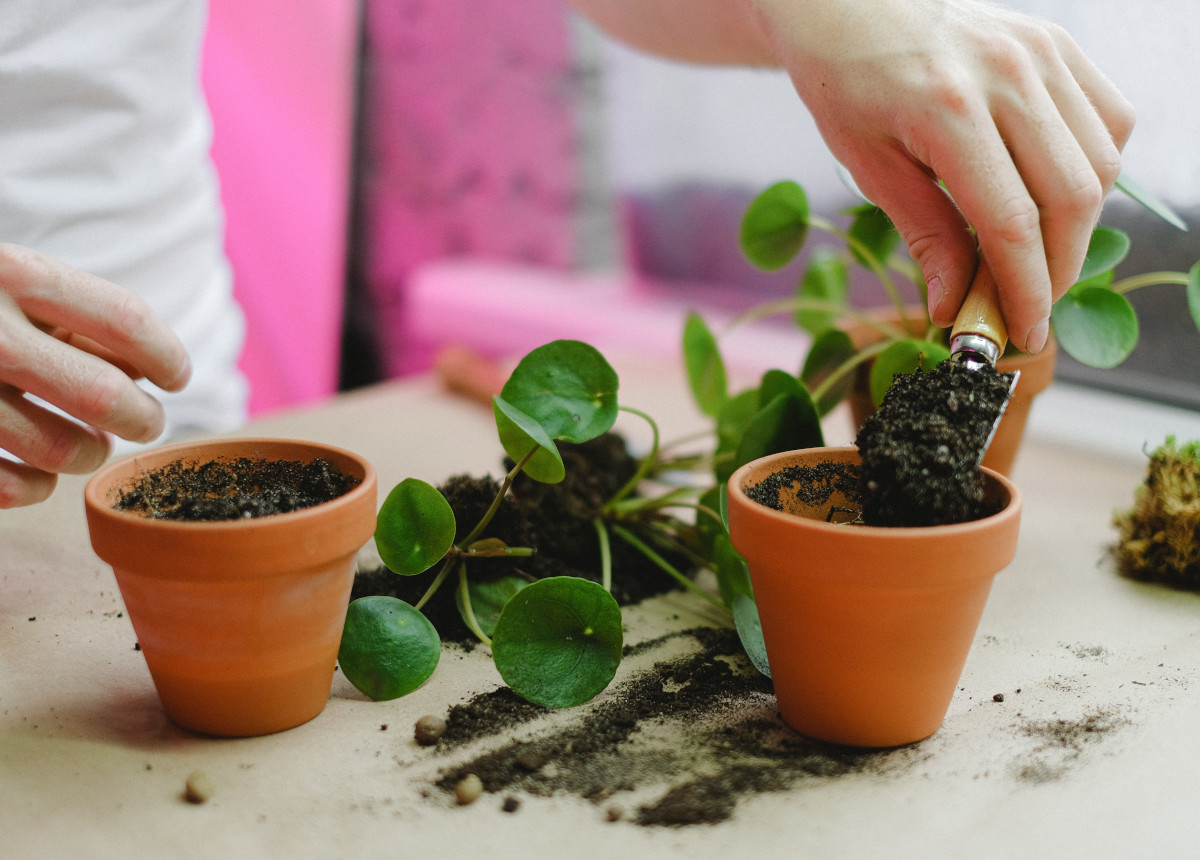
pixel 414 528
pixel 903 356
pixel 558 641
pixel 775 226
pixel 488 600
pixel 733 577
pixel 825 280
pixel 787 420
pixel 705 368
pixel 519 433
pixel 568 388
pixel 388 648
pixel 1095 326
pixel 749 630
pixel 1107 247
pixel 873 231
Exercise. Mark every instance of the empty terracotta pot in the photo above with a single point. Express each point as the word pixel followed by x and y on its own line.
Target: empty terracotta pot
pixel 239 620
pixel 867 628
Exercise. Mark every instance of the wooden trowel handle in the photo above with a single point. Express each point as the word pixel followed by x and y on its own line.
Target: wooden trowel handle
pixel 980 313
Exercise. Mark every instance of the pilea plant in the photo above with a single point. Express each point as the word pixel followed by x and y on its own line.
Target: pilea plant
pixel 556 641
pixel 1094 322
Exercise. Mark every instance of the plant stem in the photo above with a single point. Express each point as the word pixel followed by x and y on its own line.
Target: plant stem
pixel 863 355
pixel 605 554
pixel 447 565
pixel 864 255
pixel 464 592
pixel 500 494
pixel 645 463
pixel 1147 279
pixel 664 565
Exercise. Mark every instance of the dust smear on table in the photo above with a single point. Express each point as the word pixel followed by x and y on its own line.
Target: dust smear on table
pixel 679 743
pixel 921 450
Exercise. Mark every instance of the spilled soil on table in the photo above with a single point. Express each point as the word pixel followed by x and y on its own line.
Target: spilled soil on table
pixel 681 742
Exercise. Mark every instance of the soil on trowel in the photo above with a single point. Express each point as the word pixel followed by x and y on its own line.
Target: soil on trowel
pixel 232 489
pixel 555 520
pixel 921 450
pixel 679 743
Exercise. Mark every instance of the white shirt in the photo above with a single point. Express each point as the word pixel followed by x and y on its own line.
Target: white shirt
pixel 104 140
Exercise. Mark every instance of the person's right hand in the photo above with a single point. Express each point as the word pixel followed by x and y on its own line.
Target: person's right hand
pixel 78 342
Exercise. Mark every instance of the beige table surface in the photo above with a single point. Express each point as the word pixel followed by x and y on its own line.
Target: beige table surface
pixel 90 766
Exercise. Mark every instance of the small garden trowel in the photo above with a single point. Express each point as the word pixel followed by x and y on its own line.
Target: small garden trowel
pixel 979 336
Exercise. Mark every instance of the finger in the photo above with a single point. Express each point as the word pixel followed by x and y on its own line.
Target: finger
pixel 22 485
pixel 46 441
pixel 92 390
pixel 1107 102
pixel 53 293
pixel 938 237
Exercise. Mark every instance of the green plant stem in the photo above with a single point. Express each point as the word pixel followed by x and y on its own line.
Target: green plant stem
pixel 877 267
pixel 797 303
pixel 500 494
pixel 464 591
pixel 664 565
pixel 645 463
pixel 863 355
pixel 447 566
pixel 1149 279
pixel 605 554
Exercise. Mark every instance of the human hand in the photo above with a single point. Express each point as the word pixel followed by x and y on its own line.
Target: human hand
pixel 78 342
pixel 1003 109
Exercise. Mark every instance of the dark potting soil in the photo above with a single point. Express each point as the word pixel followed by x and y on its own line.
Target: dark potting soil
pixel 921 450
pixel 734 744
pixel 554 519
pixel 233 489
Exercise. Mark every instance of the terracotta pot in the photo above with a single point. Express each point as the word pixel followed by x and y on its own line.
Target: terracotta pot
pixel 239 620
pixel 1037 372
pixel 866 628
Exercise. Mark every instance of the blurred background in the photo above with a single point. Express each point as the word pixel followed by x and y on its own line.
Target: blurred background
pixel 495 174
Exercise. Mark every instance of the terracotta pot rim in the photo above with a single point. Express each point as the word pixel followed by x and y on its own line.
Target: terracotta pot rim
pixel 96 491
pixel 1011 509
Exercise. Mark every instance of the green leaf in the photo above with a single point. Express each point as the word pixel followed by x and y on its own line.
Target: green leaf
pixel 519 433
pixel 875 231
pixel 705 368
pixel 775 226
pixel 1106 249
pixel 824 280
pixel 733 577
pixel 1134 189
pixel 1193 293
pixel 568 388
pixel 903 356
pixel 709 530
pixel 414 528
pixel 786 422
pixel 488 600
pixel 1095 326
pixel 749 630
pixel 829 351
pixel 388 648
pixel 558 641
pixel 734 418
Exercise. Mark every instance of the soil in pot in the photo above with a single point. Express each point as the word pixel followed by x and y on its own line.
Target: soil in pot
pixel 554 519
pixel 232 489
pixel 920 453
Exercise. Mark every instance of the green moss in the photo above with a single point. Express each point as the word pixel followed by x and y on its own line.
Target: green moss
pixel 1160 536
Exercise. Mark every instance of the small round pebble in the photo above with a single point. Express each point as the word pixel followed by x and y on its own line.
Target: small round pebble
pixel 511 804
pixel 999 697
pixel 468 790
pixel 198 788
pixel 428 729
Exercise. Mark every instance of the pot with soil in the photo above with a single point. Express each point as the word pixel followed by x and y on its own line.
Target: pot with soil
pixel 1037 372
pixel 235 560
pixel 867 627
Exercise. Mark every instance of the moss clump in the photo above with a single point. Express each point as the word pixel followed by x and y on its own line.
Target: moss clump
pixel 1160 535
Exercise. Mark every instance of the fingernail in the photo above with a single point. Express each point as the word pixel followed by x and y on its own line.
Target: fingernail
pixel 1037 337
pixel 936 296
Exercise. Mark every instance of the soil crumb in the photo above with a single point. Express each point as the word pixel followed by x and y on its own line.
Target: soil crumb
pixel 233 489
pixel 921 450
pixel 625 751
